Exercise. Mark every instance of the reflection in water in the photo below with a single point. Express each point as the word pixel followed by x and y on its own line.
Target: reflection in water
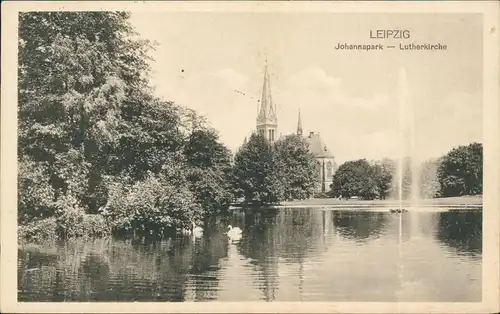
pixel 284 255
pixel 260 246
pixel 462 231
pixel 360 226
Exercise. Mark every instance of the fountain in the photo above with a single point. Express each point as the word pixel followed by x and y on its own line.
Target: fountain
pixel 406 128
pixel 402 142
pixel 408 160
pixel 407 145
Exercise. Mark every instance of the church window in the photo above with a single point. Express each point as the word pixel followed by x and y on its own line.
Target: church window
pixel 318 169
pixel 329 169
pixel 271 135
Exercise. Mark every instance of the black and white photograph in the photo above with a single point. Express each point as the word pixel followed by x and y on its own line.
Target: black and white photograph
pixel 251 152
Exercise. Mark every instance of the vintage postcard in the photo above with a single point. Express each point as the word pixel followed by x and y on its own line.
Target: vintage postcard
pixel 250 157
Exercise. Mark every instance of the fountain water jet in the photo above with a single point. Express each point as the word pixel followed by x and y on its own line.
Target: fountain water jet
pixel 407 145
pixel 403 116
pixel 409 163
pixel 402 125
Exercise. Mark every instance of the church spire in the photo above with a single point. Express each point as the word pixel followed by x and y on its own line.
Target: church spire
pixel 267 121
pixel 299 126
pixel 267 110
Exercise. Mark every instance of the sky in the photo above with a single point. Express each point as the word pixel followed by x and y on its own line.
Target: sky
pixel 213 62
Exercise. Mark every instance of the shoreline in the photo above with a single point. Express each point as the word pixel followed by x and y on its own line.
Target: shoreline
pixel 469 202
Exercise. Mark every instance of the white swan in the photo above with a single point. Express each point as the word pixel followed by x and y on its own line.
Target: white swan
pixel 184 231
pixel 197 231
pixel 234 229
pixel 234 233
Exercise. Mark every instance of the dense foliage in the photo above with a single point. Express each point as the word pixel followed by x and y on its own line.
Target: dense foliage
pixel 295 167
pixel 460 171
pixel 430 186
pixel 95 144
pixel 382 176
pixel 209 173
pixel 254 178
pixel 457 173
pixel 266 173
pixel 360 178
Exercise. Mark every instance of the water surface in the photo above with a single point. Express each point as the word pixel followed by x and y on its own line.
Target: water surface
pixel 284 255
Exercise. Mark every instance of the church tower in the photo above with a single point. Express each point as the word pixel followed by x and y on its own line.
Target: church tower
pixel 267 121
pixel 299 126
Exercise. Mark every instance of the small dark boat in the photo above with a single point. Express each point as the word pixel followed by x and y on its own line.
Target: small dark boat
pixel 399 211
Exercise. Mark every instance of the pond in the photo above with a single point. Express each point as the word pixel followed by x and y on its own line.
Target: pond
pixel 284 255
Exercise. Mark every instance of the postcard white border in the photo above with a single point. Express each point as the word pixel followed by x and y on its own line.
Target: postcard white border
pixel 491 142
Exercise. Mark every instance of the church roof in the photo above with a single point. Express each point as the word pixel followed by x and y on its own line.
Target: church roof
pixel 317 146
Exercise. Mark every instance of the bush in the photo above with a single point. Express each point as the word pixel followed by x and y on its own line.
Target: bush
pixel 73 222
pixel 95 226
pixel 69 217
pixel 35 193
pixel 151 204
pixel 48 230
pixel 322 195
pixel 38 231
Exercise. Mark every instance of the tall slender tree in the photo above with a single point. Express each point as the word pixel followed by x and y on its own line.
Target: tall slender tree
pixel 295 166
pixel 254 178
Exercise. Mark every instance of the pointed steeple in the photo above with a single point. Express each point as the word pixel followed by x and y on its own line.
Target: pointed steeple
pixel 267 112
pixel 267 120
pixel 299 126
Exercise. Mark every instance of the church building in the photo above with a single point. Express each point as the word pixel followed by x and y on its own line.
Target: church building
pixel 267 125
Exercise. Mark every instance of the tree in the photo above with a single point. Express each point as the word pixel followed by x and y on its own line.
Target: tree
pixel 151 137
pixel 355 178
pixel 369 182
pixel 95 137
pixel 430 185
pixel 254 178
pixel 461 171
pixel 210 171
pixel 383 175
pixel 295 166
pixel 75 71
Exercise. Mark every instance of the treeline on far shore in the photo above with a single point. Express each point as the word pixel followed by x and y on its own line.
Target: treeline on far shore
pixel 457 173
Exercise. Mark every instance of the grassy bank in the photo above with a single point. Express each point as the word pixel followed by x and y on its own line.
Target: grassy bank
pixel 444 201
